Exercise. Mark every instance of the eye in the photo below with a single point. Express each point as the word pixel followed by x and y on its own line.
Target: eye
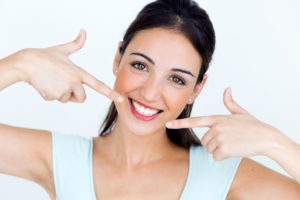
pixel 139 66
pixel 178 80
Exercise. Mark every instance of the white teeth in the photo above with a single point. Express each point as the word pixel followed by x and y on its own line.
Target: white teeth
pixel 142 110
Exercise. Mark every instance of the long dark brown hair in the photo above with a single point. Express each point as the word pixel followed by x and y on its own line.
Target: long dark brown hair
pixel 186 17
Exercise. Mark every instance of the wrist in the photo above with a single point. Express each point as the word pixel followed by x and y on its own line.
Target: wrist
pixel 18 64
pixel 8 74
pixel 279 146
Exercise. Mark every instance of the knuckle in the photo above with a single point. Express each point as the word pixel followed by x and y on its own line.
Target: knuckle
pixel 46 98
pixel 65 88
pixel 74 79
pixel 219 138
pixel 221 118
pixel 217 128
pixel 223 149
pixel 81 98
pixel 63 101
pixel 217 156
pixel 49 98
pixel 58 95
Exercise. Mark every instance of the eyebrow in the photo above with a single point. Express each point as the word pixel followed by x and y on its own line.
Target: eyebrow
pixel 151 61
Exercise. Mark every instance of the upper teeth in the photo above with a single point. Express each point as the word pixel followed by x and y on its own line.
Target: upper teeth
pixel 144 111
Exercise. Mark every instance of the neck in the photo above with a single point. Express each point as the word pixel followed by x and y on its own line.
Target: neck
pixel 131 150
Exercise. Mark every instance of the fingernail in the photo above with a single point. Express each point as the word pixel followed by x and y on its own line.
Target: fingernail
pixel 230 92
pixel 169 124
pixel 119 99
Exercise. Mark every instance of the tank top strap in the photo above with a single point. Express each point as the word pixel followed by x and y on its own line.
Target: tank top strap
pixel 71 157
pixel 208 178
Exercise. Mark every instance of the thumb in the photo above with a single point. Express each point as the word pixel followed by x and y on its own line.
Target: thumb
pixel 73 46
pixel 231 105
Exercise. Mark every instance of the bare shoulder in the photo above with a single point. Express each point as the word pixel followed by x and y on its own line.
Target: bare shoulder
pixel 255 181
pixel 27 153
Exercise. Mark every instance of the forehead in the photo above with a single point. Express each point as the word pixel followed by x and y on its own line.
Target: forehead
pixel 166 48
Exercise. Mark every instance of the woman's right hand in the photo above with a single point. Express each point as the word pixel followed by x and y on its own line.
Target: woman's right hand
pixel 55 76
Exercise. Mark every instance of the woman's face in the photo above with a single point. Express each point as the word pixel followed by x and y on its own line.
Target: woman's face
pixel 157 75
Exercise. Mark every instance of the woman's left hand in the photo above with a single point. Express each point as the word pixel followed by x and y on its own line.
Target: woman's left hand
pixel 238 134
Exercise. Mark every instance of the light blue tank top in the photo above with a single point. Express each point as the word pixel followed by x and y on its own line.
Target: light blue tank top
pixel 73 174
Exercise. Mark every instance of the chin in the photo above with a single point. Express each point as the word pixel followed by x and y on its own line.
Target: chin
pixel 137 127
pixel 141 129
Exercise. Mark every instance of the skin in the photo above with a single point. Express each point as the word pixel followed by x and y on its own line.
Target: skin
pixel 153 86
pixel 135 145
pixel 131 160
pixel 52 73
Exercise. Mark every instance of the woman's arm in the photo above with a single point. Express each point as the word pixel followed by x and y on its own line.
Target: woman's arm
pixel 52 73
pixel 255 181
pixel 26 152
pixel 8 71
pixel 241 134
pixel 287 154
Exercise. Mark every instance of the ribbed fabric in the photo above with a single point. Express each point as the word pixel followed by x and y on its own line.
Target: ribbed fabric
pixel 73 175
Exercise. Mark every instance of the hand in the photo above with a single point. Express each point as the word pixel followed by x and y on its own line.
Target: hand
pixel 55 77
pixel 238 134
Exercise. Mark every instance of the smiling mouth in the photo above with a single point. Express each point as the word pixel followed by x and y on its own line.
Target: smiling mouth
pixel 142 111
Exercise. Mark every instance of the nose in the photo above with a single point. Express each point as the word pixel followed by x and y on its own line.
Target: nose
pixel 151 89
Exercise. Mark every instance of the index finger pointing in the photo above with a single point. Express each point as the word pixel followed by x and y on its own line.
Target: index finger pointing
pixel 192 122
pixel 102 88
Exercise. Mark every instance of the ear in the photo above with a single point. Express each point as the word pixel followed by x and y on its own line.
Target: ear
pixel 117 60
pixel 198 88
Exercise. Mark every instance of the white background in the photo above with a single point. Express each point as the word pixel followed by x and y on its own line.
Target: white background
pixel 256 54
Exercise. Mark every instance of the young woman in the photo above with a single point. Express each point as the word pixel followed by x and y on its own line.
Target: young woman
pixel 147 148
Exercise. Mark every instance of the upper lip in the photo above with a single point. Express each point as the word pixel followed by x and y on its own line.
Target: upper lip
pixel 144 105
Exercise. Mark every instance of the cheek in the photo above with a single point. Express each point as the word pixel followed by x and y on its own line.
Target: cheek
pixel 177 100
pixel 126 81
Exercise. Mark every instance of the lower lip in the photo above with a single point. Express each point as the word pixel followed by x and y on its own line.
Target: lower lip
pixel 140 116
